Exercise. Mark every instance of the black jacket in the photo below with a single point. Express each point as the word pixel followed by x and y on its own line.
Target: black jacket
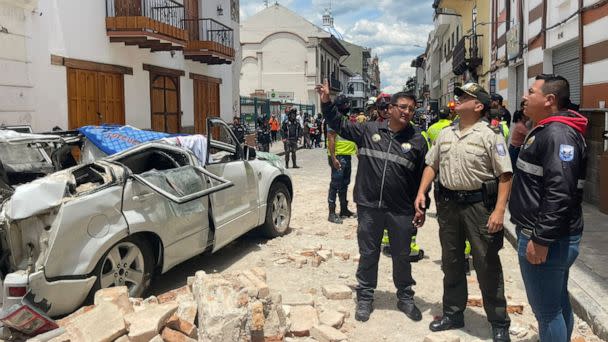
pixel 239 131
pixel 390 165
pixel 548 184
pixel 291 130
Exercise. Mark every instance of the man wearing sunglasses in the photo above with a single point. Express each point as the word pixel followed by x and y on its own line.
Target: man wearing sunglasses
pixel 470 157
pixel 391 161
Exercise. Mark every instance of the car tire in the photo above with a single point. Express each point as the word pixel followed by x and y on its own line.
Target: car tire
pixel 111 273
pixel 278 211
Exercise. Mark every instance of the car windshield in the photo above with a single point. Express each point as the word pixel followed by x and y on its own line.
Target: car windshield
pixel 23 153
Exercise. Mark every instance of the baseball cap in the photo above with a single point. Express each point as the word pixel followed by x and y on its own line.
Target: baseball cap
pixel 496 97
pixel 476 91
pixel 444 112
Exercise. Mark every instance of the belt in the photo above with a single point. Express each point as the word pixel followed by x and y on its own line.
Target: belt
pixel 525 231
pixel 460 196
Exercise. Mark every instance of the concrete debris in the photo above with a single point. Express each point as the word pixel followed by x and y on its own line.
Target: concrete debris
pixel 118 295
pixel 342 255
pixel 442 337
pixel 337 292
pixel 295 299
pixel 324 254
pixel 316 261
pixel 222 304
pixel 332 318
pixel 511 308
pixel 324 333
pixel 303 318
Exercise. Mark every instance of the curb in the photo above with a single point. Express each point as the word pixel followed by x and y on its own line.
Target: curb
pixel 585 290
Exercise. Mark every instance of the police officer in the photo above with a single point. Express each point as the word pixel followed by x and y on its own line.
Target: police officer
pixel 546 203
pixel 264 136
pixel 444 121
pixel 291 132
pixel 470 156
pixel 503 112
pixel 339 152
pixel 238 129
pixel 391 161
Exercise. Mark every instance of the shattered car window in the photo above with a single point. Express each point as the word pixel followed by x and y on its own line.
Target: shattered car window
pixel 180 182
pixel 20 154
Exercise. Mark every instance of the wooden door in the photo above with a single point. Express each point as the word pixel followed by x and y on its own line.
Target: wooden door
pixel 192 26
pixel 206 103
pixel 127 8
pixel 82 98
pixel 95 98
pixel 111 98
pixel 164 96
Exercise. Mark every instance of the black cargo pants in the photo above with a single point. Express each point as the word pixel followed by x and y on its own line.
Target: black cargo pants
pixel 372 223
pixel 457 222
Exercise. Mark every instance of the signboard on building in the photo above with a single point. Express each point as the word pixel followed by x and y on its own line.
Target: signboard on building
pixel 287 96
pixel 513 44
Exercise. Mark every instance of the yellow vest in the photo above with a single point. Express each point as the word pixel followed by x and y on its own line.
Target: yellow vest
pixel 437 127
pixel 344 147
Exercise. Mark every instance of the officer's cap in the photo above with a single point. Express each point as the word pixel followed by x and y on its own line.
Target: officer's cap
pixel 476 91
pixel 444 112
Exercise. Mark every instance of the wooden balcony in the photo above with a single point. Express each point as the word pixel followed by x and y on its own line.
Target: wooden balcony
pixel 210 42
pixel 154 24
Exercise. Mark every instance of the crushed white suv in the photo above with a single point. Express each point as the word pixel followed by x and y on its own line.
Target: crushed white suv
pixel 122 219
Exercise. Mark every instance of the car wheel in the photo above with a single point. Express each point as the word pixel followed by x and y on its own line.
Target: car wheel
pixel 128 263
pixel 278 211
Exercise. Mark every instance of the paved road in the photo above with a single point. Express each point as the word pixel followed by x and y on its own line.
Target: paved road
pixel 310 228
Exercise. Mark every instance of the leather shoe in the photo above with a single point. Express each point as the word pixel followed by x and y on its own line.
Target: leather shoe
pixel 410 309
pixel 500 334
pixel 363 311
pixel 446 323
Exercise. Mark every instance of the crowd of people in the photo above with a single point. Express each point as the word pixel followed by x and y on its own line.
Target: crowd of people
pixel 480 161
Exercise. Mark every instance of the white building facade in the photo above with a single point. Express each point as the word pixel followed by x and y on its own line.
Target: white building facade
pixel 283 51
pixel 154 65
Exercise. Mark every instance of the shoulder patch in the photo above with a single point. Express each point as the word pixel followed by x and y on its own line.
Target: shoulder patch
pixel 495 129
pixel 501 149
pixel 566 152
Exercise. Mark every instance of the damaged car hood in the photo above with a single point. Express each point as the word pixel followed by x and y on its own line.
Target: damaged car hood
pixel 37 197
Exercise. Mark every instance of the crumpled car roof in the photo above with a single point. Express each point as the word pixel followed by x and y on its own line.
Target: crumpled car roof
pixel 9 136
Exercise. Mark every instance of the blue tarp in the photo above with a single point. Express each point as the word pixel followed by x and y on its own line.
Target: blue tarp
pixel 113 139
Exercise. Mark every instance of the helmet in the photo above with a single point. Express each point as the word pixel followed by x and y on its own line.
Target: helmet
pixel 383 101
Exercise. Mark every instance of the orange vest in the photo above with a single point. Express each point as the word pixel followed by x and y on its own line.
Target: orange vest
pixel 274 124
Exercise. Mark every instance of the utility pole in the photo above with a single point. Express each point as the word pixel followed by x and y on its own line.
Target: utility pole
pixel 474 49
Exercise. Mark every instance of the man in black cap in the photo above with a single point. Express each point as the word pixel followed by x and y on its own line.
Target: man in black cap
pixel 291 132
pixel 474 183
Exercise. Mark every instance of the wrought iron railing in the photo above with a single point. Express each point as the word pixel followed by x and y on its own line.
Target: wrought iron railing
pixel 335 84
pixel 170 12
pixel 210 30
pixel 466 54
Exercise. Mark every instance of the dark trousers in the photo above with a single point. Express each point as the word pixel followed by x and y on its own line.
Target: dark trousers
pixel 340 179
pixel 291 146
pixel 372 223
pixel 273 134
pixel 457 222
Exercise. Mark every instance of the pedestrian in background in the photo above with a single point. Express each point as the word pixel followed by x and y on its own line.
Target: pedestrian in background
pixel 238 129
pixel 263 135
pixel 474 182
pixel 391 161
pixel 274 127
pixel 519 129
pixel 291 134
pixel 444 121
pixel 546 203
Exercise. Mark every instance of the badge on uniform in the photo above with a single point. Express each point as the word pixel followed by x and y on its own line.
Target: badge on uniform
pixel 406 147
pixel 502 151
pixel 529 142
pixel 566 152
pixel 376 137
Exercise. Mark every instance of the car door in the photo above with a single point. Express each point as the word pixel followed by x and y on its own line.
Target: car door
pixel 235 210
pixel 167 194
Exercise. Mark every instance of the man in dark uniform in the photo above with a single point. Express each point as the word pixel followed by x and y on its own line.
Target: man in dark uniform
pixel 474 183
pixel 391 161
pixel 546 203
pixel 291 131
pixel 504 114
pixel 238 129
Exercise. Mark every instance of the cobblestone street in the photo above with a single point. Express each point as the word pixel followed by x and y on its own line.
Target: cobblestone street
pixel 311 230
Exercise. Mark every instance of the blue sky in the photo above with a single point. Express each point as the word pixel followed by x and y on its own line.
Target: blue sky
pixel 391 28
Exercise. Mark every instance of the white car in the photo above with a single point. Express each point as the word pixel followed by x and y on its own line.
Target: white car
pixel 125 218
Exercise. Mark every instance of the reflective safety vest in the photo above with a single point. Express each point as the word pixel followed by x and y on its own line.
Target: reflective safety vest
pixel 505 129
pixel 426 137
pixel 344 147
pixel 437 127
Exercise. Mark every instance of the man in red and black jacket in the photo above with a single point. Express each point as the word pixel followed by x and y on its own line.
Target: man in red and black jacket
pixel 546 201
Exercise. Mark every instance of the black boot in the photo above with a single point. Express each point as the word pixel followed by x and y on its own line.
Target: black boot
pixel 286 161
pixel 295 165
pixel 344 212
pixel 333 218
pixel 447 323
pixel 409 308
pixel 364 310
pixel 500 334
